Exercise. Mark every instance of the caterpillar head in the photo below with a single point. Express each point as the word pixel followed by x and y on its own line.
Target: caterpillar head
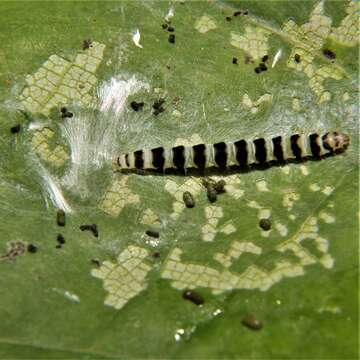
pixel 335 142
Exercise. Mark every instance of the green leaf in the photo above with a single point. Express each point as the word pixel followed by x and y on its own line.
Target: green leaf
pixel 120 294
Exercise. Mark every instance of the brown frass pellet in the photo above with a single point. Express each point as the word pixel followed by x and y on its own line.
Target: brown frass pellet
pixel 156 254
pixel 234 60
pixel 61 217
pixel 175 100
pixel 158 103
pixel 210 188
pixel 164 26
pixel 329 54
pixel 158 111
pixel 136 106
pixel 96 262
pixel 248 59
pixel 31 248
pixel 171 39
pixel 158 107
pixel 152 233
pixel 65 113
pixel 211 193
pixel 265 224
pixel 265 58
pixel 188 199
pixel 193 296
pixel 170 29
pixel 60 239
pixel 87 44
pixel 228 18
pixel 207 182
pixel 15 129
pixel 297 58
pixel 92 227
pixel 251 322
pixel 263 67
pixel 219 186
pixel 237 13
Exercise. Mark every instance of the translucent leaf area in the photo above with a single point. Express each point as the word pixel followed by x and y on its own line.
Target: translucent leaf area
pixel 95 262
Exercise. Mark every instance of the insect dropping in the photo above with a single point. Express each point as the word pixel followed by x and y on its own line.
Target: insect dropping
pixel 152 233
pixel 65 113
pixel 96 262
pixel 265 224
pixel 188 199
pixel 60 239
pixel 251 322
pixel 329 54
pixel 194 297
pixel 158 106
pixel 262 66
pixel 136 106
pixel 61 217
pixel 171 39
pixel 219 186
pixel 211 193
pixel 87 44
pixel 210 190
pixel 15 129
pixel 92 228
pixel 31 248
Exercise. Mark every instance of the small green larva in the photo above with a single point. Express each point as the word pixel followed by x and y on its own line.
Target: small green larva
pixel 188 199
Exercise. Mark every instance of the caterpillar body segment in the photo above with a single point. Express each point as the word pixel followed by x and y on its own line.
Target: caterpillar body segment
pixel 238 153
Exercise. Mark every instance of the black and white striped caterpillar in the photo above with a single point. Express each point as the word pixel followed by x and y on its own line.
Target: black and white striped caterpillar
pixel 239 153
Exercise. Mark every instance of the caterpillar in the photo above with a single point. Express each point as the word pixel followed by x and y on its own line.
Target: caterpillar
pixel 240 153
